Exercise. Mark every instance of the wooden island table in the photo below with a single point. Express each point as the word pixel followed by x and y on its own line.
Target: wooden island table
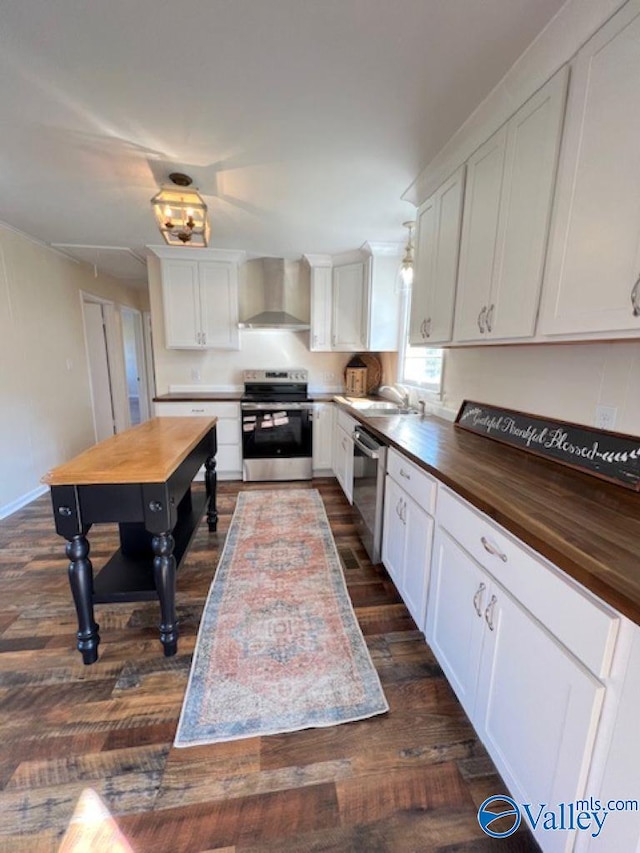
pixel 140 479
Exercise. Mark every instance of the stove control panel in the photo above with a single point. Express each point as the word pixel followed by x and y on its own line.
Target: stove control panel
pixel 271 376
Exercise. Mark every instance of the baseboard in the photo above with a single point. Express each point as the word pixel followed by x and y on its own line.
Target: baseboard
pixel 14 506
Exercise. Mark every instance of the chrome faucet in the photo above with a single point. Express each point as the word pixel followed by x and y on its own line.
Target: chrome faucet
pixel 399 392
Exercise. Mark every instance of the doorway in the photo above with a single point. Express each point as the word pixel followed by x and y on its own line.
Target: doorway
pixel 95 327
pixel 133 340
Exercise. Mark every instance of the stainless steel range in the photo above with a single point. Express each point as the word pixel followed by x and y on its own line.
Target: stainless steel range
pixel 277 432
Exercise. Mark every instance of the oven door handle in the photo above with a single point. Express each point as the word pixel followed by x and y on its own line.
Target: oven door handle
pixel 372 454
pixel 275 407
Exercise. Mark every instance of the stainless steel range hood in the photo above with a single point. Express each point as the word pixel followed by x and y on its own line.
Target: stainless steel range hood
pixel 275 288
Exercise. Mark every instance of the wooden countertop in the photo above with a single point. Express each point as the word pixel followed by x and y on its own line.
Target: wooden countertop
pixel 148 453
pixel 224 396
pixel 584 525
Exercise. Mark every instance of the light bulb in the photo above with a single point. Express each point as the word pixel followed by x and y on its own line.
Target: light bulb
pixel 407 275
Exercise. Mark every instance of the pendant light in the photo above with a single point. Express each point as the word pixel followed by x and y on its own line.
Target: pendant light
pixel 181 213
pixel 406 267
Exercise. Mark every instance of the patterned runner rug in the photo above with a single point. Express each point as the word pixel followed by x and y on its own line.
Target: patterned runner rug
pixel 279 648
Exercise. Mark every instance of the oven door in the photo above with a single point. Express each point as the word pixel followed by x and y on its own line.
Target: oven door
pixel 277 441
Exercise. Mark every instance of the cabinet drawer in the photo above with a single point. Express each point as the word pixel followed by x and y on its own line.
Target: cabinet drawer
pixel 346 421
pixel 421 486
pixel 197 409
pixel 585 625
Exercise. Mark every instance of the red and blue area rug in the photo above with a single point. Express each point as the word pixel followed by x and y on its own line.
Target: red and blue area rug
pixel 279 647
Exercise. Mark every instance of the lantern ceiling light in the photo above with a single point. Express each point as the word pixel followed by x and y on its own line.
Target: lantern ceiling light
pixel 406 268
pixel 181 213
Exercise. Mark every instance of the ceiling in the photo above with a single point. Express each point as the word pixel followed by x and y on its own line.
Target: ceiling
pixel 301 121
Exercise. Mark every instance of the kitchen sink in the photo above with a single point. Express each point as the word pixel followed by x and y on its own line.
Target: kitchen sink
pixel 373 408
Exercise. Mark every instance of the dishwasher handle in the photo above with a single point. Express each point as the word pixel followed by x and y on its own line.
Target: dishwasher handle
pixel 371 452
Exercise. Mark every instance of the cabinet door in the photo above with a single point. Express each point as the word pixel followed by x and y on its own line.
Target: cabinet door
pixel 591 283
pixel 180 294
pixel 348 307
pixel 533 142
pixel 320 336
pixel 537 710
pixel 322 436
pixel 438 242
pixel 417 559
pixel 393 532
pixel 479 237
pixel 343 461
pixel 424 262
pixel 454 626
pixel 219 304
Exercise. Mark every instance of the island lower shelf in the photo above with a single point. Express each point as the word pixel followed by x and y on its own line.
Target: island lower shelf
pixel 128 575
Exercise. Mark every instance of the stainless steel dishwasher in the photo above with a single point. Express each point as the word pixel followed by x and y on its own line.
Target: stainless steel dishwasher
pixel 369 468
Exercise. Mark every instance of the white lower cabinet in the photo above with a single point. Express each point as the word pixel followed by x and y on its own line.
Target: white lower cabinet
pixel 229 455
pixel 322 438
pixel 343 452
pixel 534 703
pixel 407 531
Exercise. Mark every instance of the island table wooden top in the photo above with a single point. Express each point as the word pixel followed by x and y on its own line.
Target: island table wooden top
pixel 148 453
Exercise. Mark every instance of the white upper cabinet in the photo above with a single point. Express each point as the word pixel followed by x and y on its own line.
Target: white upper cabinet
pixel 200 297
pixel 436 263
pixel 508 198
pixel 349 303
pixel 593 270
pixel 321 302
pixel 355 300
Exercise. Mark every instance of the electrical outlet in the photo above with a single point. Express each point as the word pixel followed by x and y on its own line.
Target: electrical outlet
pixel 328 376
pixel 606 417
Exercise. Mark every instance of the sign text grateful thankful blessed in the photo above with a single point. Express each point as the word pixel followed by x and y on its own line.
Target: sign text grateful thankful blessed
pixel 609 455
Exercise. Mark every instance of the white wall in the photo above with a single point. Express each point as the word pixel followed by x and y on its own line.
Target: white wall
pixel 565 381
pixel 220 369
pixel 45 398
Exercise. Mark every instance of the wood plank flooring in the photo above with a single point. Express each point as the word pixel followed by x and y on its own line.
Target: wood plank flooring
pixel 410 780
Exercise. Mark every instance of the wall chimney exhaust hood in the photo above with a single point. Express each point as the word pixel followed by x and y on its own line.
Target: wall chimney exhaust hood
pixel 274 291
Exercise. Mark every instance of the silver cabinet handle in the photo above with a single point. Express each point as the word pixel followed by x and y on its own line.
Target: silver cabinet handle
pixel 197 411
pixel 477 599
pixel 398 506
pixel 204 337
pixel 488 613
pixel 491 549
pixel 344 443
pixel 403 512
pixel 428 327
pixel 404 474
pixel 635 301
pixel 482 319
pixel 489 320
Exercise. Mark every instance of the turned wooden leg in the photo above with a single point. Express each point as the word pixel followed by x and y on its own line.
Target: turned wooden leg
pixel 211 481
pixel 81 582
pixel 164 573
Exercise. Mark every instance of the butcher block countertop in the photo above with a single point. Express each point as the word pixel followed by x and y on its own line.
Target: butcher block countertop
pixel 148 453
pixel 586 526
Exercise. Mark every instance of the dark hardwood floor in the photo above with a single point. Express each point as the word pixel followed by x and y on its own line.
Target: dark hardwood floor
pixel 410 780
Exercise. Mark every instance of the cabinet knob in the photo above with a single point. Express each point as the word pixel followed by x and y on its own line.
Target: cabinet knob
pixel 635 298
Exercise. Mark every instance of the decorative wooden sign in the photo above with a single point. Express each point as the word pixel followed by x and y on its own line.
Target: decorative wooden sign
pixel 609 455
